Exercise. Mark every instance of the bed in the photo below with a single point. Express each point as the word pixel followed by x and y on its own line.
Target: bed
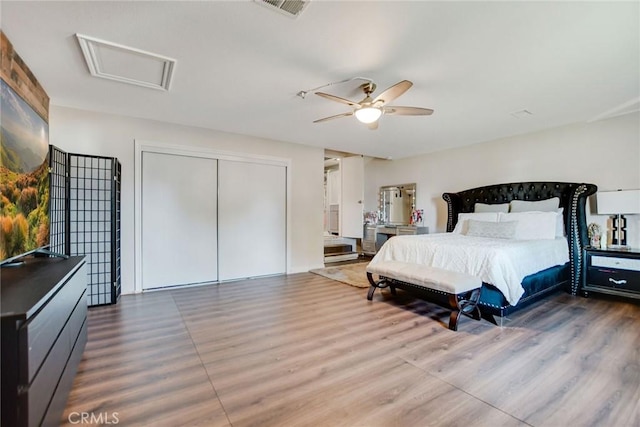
pixel 500 299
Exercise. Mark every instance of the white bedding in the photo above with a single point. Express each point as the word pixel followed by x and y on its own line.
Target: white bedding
pixel 500 262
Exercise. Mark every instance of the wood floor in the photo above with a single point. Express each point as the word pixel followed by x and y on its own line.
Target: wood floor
pixel 303 350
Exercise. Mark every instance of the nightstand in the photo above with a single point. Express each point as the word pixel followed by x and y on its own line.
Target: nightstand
pixel 612 271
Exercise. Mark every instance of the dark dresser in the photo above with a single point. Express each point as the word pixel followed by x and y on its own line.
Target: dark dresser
pixel 44 331
pixel 612 271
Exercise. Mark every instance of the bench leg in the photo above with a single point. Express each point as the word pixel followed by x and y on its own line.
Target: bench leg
pixel 373 286
pixel 372 289
pixel 468 307
pixel 455 312
pixel 382 283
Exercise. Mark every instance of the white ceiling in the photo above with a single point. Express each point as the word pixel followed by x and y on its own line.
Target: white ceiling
pixel 240 65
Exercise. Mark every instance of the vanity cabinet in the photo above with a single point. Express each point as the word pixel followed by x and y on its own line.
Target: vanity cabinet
pixel 369 239
pixel 376 235
pixel 410 231
pixel 44 331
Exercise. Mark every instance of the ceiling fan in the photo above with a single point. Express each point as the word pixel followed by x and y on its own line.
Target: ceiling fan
pixel 369 110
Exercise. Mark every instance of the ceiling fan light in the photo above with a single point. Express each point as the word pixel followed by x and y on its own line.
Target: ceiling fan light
pixel 368 114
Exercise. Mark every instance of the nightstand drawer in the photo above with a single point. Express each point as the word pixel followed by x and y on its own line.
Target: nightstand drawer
pixel 615 262
pixel 615 279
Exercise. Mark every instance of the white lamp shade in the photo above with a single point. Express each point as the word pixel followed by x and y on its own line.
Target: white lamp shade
pixel 618 202
pixel 368 114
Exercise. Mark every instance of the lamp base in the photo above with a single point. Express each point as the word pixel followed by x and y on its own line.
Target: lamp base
pixel 619 231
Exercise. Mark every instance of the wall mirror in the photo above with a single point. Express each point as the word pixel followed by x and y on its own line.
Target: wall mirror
pixel 396 203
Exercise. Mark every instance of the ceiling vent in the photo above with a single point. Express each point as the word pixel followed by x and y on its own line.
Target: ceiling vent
pixel 292 8
pixel 522 114
pixel 126 64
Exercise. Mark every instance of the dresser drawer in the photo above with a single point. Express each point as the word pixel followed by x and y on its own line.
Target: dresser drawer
pixel 406 231
pixel 42 331
pixel 627 280
pixel 615 262
pixel 387 230
pixel 412 230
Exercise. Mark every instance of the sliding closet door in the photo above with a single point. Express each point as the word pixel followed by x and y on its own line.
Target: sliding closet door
pixel 251 219
pixel 179 225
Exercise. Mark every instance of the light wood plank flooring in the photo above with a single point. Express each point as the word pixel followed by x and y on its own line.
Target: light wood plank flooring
pixel 303 350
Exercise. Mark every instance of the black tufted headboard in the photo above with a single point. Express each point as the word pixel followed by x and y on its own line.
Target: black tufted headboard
pixel 573 197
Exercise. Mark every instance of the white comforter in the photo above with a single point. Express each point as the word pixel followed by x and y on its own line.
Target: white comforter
pixel 500 262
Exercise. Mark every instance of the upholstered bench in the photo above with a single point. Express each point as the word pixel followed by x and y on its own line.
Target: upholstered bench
pixel 462 291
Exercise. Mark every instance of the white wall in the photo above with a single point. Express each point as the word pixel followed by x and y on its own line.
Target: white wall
pixel 85 132
pixel 605 153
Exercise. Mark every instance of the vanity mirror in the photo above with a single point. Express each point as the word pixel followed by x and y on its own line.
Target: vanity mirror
pixel 396 203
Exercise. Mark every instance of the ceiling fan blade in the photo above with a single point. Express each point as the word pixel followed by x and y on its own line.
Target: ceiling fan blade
pixel 374 125
pixel 393 92
pixel 337 99
pixel 407 111
pixel 337 116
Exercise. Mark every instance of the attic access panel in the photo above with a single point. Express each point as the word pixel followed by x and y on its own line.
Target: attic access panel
pixel 126 64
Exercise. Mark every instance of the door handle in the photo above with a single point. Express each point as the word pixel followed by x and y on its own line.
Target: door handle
pixel 618 282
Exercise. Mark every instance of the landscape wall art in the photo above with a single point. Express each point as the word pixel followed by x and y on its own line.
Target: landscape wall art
pixel 24 176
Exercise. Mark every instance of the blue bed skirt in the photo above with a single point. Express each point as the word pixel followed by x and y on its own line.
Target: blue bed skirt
pixel 536 286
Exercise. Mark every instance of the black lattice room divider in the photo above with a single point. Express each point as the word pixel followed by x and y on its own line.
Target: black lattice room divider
pixel 94 223
pixel 85 218
pixel 58 201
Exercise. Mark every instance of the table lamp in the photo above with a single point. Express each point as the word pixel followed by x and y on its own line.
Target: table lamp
pixel 618 203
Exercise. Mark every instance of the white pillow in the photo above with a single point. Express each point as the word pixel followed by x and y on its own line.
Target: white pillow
pixel 548 205
pixel 461 226
pixel 560 230
pixel 483 207
pixel 493 230
pixel 533 225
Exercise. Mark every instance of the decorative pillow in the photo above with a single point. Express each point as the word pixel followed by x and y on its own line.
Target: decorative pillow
pixel 533 225
pixel 461 226
pixel 548 205
pixel 483 207
pixel 494 230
